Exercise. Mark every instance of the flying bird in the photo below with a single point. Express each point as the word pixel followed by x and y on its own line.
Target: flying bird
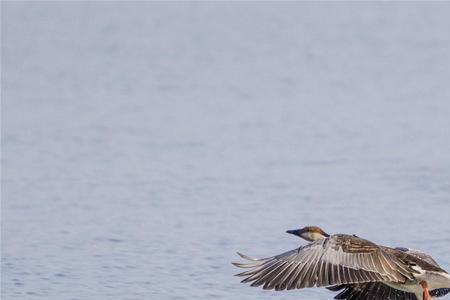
pixel 359 269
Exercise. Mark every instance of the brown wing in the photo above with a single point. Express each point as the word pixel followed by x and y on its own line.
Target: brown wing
pixel 419 254
pixel 370 291
pixel 414 257
pixel 421 258
pixel 377 291
pixel 335 260
pixel 440 292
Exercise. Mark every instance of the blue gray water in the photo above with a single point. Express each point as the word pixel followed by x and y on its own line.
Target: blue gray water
pixel 144 143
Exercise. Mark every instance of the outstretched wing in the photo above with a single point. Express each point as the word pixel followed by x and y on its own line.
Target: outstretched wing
pixel 377 291
pixel 381 291
pixel 339 259
pixel 420 255
pixel 370 291
pixel 439 292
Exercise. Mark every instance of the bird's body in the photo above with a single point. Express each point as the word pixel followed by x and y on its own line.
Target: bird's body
pixel 360 269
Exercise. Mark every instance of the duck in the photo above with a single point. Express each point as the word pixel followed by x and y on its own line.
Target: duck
pixel 355 267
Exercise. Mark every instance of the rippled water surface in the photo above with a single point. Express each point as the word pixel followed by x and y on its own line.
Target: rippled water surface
pixel 144 143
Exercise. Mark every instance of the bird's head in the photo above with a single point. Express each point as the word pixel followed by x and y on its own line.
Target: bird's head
pixel 309 233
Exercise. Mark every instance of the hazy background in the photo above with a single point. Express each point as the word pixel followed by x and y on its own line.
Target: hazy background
pixel 144 143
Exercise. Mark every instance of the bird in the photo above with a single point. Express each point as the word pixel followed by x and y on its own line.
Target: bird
pixel 355 267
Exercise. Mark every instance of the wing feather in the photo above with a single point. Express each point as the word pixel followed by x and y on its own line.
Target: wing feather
pixel 377 291
pixel 419 254
pixel 336 260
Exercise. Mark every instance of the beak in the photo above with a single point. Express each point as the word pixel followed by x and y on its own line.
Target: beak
pixel 294 232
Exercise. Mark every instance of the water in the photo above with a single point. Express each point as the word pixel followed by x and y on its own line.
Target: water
pixel 144 143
